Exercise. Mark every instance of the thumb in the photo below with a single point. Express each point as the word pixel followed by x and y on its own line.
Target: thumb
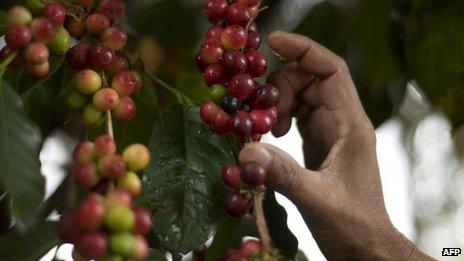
pixel 284 174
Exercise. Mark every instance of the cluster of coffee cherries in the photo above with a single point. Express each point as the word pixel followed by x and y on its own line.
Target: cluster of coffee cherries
pixel 230 62
pixel 32 39
pixel 106 225
pixel 242 179
pixel 250 249
pixel 98 56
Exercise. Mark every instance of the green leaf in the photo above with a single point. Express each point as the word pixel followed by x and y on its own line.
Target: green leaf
pixel 30 246
pixel 156 255
pixel 276 218
pixel 182 182
pixel 3 24
pixel 222 239
pixel 26 83
pixel 19 164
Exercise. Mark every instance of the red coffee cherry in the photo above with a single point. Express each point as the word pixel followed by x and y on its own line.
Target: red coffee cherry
pixel 18 15
pixel 257 64
pixel 213 35
pixel 84 152
pixel 85 175
pixel 118 197
pixel 253 174
pixel 106 99
pixel 241 124
pixel 254 41
pixel 266 96
pixel 90 212
pixel 251 247
pixel 93 245
pixel 78 56
pixel 234 62
pixel 214 74
pixel 142 249
pixel 38 70
pixel 237 205
pixel 215 10
pixel 118 65
pixel 221 124
pixel 114 37
pixel 273 114
pixel 208 112
pixel 112 166
pixel 43 30
pixel 211 52
pixel 113 9
pixel 238 14
pixel 126 83
pixel 262 121
pixel 105 145
pixel 126 110
pixel 231 176
pixel 241 86
pixel 249 3
pixel 101 56
pixel 234 37
pixel 67 229
pixel 18 36
pixel 55 12
pixel 143 223
pixel 201 64
pixel 36 53
pixel 256 137
pixel 96 24
pixel 74 27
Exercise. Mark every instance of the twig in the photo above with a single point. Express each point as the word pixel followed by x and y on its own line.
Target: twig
pixel 108 117
pixel 266 241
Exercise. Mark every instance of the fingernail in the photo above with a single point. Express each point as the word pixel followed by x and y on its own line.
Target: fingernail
pixel 256 152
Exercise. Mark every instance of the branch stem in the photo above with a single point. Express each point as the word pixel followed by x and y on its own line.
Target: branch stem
pixel 266 241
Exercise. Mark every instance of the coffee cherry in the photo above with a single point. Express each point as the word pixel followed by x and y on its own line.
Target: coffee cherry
pixel 43 30
pixel 126 83
pixel 142 249
pixel 233 255
pixel 230 175
pixel 214 74
pixel 241 86
pixel 262 121
pixel 38 70
pixel 253 174
pixel 35 6
pixel 238 14
pixel 36 53
pixel 257 64
pixel 114 37
pixel 215 10
pixel 112 257
pixel 101 56
pixel 273 114
pixel 136 156
pixel 221 123
pixel 67 230
pixel 130 183
pixel 237 205
pixel 234 62
pixel 96 24
pixel 85 175
pixel 234 37
pixel 88 81
pixel 18 36
pixel 266 97
pixel 118 65
pixel 118 197
pixel 112 166
pixel 61 43
pixel 241 124
pixel 231 104
pixel 93 245
pixel 113 9
pixel 119 218
pixel 90 212
pixel 84 3
pixel 55 12
pixel 251 247
pixel 105 145
pixel 256 137
pixel 143 223
pixel 126 110
pixel 18 15
pixel 201 64
pixel 106 99
pixel 254 41
pixel 211 52
pixel 74 27
pixel 78 56
pixel 92 115
pixel 84 152
pixel 213 35
pixel 217 92
pixel 249 3
pixel 122 243
pixel 208 112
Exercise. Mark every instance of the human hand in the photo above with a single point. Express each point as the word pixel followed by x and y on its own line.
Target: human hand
pixel 340 192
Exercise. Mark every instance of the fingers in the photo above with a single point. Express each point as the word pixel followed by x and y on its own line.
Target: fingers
pixel 284 174
pixel 311 56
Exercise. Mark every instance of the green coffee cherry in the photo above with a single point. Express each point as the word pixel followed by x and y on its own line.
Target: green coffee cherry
pixel 61 43
pixel 119 218
pixel 35 6
pixel 76 100
pixel 217 92
pixel 122 243
pixel 92 115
